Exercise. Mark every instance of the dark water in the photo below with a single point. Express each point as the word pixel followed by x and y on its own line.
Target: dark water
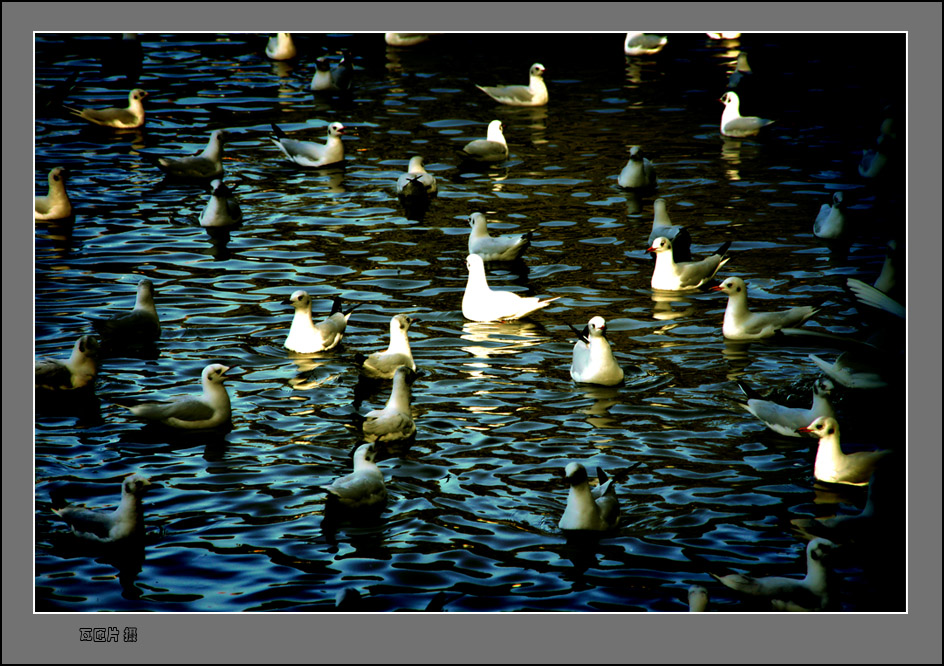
pixel 237 520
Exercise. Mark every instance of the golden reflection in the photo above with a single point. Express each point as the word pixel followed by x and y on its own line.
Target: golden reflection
pixel 282 69
pixel 731 154
pixel 663 305
pixel 497 339
pixel 633 203
pixel 603 398
pixel 633 70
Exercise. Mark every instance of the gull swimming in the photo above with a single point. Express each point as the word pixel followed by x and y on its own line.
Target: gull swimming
pixel 394 422
pixel 491 149
pixel 638 172
pixel 662 227
pixel 533 94
pixel 205 166
pixel 495 248
pixel 383 365
pixel 307 337
pixel 639 43
pixel 124 522
pixel 670 275
pixel 593 360
pixel 140 326
pixel 786 420
pixel 222 208
pixel 75 373
pixel 340 77
pixel 480 303
pixel 281 47
pixel 126 118
pixel 405 38
pixel 834 466
pixel 364 487
pixel 55 205
pixel 831 221
pixel 733 123
pixel 697 599
pixel 742 324
pixel 210 410
pixel 310 153
pixel 416 182
pixel 597 509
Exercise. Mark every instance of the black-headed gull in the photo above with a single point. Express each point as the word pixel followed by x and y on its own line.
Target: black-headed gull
pixel 742 324
pixel 495 248
pixel 307 337
pixel 831 221
pixel 337 78
pixel 697 599
pixel 383 365
pixel 205 166
pixel 480 303
pixel 124 522
pixel 593 361
pixel 834 466
pixel 733 123
pixel 595 510
pixel 533 94
pixel 55 205
pixel 222 208
pixel 662 227
pixel 78 371
pixel 670 275
pixel 491 149
pixel 416 182
pixel 281 47
pixel 140 326
pixel 638 172
pixel 120 118
pixel 639 43
pixel 210 410
pixel 394 422
pixel 813 593
pixel 364 487
pixel 786 420
pixel 310 153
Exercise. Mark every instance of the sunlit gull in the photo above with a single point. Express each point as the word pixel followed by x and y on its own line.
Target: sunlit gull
pixel 281 47
pixel 222 208
pixel 55 205
pixel 140 326
pixel 210 410
pixel 639 43
pixel 831 221
pixel 596 509
pixel 875 298
pixel 741 72
pixel 338 78
pixel 786 420
pixel 405 38
pixel 108 527
pixel 723 35
pixel 307 337
pixel 662 227
pixel 742 324
pixel 491 149
pixel 533 94
pixel 638 172
pixel 670 275
pixel 309 153
pixel 495 248
pixel 834 466
pixel 76 372
pixel 395 421
pixel 593 360
pixel 697 599
pixel 205 166
pixel 120 118
pixel 735 125
pixel 813 593
pixel 364 487
pixel 383 365
pixel 480 303
pixel 416 182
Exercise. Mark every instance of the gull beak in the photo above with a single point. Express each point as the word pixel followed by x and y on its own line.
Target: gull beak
pixel 717 287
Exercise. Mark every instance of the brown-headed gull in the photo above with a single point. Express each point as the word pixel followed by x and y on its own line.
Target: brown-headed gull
pixel 491 149
pixel 383 365
pixel 416 182
pixel 126 118
pixel 786 420
pixel 495 248
pixel 281 47
pixel 594 509
pixel 670 275
pixel 639 43
pixel 205 166
pixel 733 123
pixel 638 172
pixel 210 410
pixel 309 153
pixel 307 337
pixel 533 94
pixel 742 324
pixel 830 223
pixel 662 227
pixel 394 422
pixel 364 487
pixel 593 361
pixel 480 303
pixel 140 326
pixel 834 466
pixel 55 205
pixel 222 208
pixel 78 371
pixel 697 599
pixel 124 522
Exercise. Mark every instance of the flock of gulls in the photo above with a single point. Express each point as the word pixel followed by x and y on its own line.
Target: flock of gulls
pixel 589 507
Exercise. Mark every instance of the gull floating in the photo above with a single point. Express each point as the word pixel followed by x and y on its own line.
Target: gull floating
pixel 307 337
pixel 491 149
pixel 205 166
pixel 416 182
pixel 734 124
pixel 697 599
pixel 742 324
pixel 140 326
pixel 394 422
pixel 127 118
pixel 222 209
pixel 831 221
pixel 480 303
pixel 662 227
pixel 364 487
pixel 834 466
pixel 639 43
pixel 75 373
pixel 595 510
pixel 786 420
pixel 495 248
pixel 338 78
pixel 310 153
pixel 55 205
pixel 638 172
pixel 383 365
pixel 670 275
pixel 124 522
pixel 281 47
pixel 533 94
pixel 210 410
pixel 593 360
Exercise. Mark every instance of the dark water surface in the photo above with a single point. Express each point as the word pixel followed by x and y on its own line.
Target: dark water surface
pixel 237 520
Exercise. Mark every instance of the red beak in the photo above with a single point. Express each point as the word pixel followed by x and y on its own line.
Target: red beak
pixel 717 287
pixel 651 249
pixel 804 429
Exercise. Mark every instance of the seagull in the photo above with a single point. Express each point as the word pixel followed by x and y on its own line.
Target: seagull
pixel 723 35
pixel 741 73
pixel 281 47
pixel 639 43
pixel 671 276
pixel 405 38
pixel 364 487
pixel 735 125
pixel 874 160
pixel 395 421
pixel 75 373
pixel 831 222
pixel 495 248
pixel 875 298
pixel 205 166
pixel 140 326
pixel 813 593
pixel 55 205
pixel 210 410
pixel 638 172
pixel 594 509
pixel 662 227
pixel 222 209
pixel 306 337
pixel 338 78
pixel 697 599
pixel 593 360
pixel 533 94
pixel 416 182
pixel 742 324
pixel 786 420
pixel 124 522
pixel 853 371
pixel 383 365
pixel 492 149
pixel 834 466
pixel 128 118
pixel 309 153
pixel 479 303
